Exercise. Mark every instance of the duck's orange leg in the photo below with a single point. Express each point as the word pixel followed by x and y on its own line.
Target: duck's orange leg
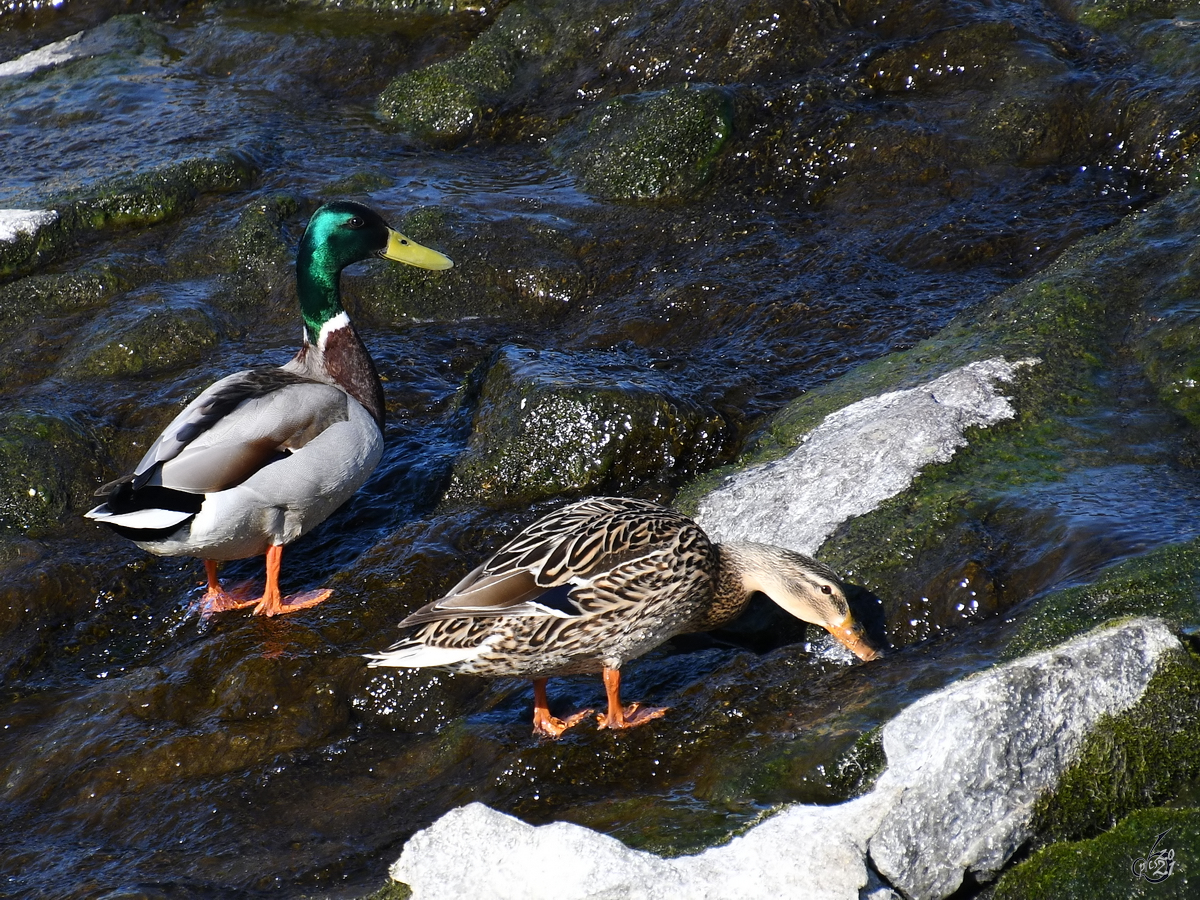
pixel 216 599
pixel 619 716
pixel 544 724
pixel 272 603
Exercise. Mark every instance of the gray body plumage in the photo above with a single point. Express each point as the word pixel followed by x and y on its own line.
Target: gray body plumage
pixel 273 451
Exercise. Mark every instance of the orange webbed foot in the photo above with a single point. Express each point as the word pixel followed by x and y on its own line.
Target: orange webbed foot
pixel 276 606
pixel 217 600
pixel 631 716
pixel 549 727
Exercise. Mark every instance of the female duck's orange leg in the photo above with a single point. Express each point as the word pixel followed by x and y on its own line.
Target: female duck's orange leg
pixel 272 603
pixel 624 716
pixel 545 724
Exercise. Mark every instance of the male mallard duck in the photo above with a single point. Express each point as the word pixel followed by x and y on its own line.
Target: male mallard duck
pixel 265 455
pixel 600 582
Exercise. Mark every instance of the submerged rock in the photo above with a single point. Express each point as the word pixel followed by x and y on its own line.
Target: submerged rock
pixel 558 424
pixel 965 766
pixel 126 35
pixel 48 469
pixel 149 337
pixel 124 201
pixel 646 146
pixel 514 269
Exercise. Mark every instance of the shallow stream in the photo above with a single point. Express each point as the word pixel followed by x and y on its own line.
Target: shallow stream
pixel 889 168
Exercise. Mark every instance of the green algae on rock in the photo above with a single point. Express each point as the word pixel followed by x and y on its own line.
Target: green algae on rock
pixel 131 201
pixel 1106 15
pixel 28 304
pixel 649 146
pixel 1164 582
pixel 1149 756
pixel 447 101
pixel 147 338
pixel 48 469
pixel 256 242
pixel 1107 867
pixel 556 424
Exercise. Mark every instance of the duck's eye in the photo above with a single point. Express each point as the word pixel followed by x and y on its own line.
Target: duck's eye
pixel 826 589
pixel 356 222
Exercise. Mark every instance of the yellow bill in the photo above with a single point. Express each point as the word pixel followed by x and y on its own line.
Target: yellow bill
pixel 406 250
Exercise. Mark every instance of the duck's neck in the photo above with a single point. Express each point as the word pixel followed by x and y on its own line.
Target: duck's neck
pixel 332 351
pixel 318 284
pixel 731 594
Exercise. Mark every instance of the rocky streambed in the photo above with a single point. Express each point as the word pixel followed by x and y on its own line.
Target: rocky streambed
pixel 690 238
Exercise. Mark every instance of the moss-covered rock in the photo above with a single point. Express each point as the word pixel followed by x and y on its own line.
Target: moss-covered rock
pixel 549 423
pixel 149 338
pixel 418 7
pixel 48 469
pixel 1116 865
pixel 38 297
pixel 1102 813
pixel 393 890
pixel 130 201
pixel 254 259
pixel 648 146
pixel 1149 756
pixel 1164 583
pixel 447 101
pixel 45 295
pixel 256 242
pixel 978 55
pixel 514 269
pixel 1106 15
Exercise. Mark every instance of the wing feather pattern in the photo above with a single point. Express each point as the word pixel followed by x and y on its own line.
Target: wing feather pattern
pixel 233 429
pixel 612 552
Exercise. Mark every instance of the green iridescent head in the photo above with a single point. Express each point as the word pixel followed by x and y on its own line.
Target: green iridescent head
pixel 337 235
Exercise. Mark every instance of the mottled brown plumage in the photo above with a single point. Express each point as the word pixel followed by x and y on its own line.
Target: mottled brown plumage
pixel 603 581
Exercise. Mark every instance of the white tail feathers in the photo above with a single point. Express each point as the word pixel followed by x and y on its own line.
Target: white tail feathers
pixel 139 518
pixel 419 656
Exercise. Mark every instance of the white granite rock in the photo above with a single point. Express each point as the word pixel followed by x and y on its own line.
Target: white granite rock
pixel 971 760
pixel 964 767
pixel 77 46
pixel 15 222
pixel 856 458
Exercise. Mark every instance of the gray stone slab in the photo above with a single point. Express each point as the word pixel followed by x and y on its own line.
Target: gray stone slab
pixel 856 458
pixel 965 766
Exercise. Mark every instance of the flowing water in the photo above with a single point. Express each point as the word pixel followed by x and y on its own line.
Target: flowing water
pixel 146 754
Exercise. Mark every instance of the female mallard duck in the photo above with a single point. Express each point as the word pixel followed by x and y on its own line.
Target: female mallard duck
pixel 265 455
pixel 600 582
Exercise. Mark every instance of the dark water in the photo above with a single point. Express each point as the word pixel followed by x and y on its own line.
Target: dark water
pixel 145 752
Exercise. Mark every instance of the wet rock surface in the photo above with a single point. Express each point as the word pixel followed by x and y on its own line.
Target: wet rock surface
pixel 555 424
pixel 652 145
pixel 964 768
pixel 857 458
pixel 883 195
